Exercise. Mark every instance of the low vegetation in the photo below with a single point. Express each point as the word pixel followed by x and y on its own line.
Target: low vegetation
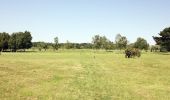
pixel 76 74
pixel 132 52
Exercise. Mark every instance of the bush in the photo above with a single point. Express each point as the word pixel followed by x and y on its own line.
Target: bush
pixel 132 52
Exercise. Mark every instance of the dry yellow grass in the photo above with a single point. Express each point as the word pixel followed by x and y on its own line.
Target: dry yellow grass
pixel 70 75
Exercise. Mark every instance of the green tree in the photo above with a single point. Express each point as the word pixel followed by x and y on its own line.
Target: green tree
pixel 121 41
pixel 12 42
pixel 109 45
pixel 20 40
pixel 68 45
pixel 56 45
pixel 27 40
pixel 155 48
pixel 42 45
pixel 141 44
pixel 39 45
pixel 104 42
pixel 4 41
pixel 164 39
pixel 100 42
pixel 96 42
pixel 45 46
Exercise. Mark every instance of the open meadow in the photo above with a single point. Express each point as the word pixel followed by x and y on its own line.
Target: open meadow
pixel 84 75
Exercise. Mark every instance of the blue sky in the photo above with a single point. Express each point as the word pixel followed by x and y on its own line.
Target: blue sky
pixel 79 20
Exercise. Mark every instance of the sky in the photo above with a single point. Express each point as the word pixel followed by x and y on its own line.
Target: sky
pixel 79 20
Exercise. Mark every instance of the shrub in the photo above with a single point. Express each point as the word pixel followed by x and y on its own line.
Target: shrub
pixel 132 52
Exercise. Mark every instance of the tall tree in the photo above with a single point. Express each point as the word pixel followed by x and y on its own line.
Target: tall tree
pixel 141 43
pixel 121 42
pixel 56 45
pixel 104 42
pixel 100 42
pixel 27 40
pixel 20 40
pixel 164 39
pixel 96 42
pixel 4 41
pixel 109 45
pixel 12 42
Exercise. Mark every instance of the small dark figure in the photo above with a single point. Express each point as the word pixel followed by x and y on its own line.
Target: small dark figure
pixel 127 54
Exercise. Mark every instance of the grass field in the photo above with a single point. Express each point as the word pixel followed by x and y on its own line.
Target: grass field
pixel 78 75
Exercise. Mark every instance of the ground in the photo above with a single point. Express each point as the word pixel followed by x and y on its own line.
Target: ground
pixel 84 75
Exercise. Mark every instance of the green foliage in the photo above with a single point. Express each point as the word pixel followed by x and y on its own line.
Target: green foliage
pixel 41 45
pixel 4 38
pixel 132 52
pixel 121 42
pixel 109 45
pixel 27 40
pixel 101 42
pixel 56 40
pixel 155 48
pixel 20 40
pixel 96 42
pixel 45 46
pixel 55 45
pixel 12 42
pixel 68 45
pixel 131 45
pixel 141 44
pixel 164 39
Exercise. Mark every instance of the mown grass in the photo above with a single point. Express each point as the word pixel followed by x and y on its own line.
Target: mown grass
pixel 84 75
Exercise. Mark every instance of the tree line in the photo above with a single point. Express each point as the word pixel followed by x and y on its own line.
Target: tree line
pixel 98 42
pixel 15 41
pixel 22 40
pixel 121 42
pixel 43 46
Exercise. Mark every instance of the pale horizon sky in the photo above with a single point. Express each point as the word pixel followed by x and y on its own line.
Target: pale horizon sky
pixel 80 20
